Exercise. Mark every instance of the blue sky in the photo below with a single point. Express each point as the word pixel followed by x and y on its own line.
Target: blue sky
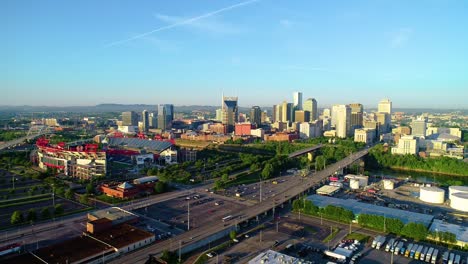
pixel 190 52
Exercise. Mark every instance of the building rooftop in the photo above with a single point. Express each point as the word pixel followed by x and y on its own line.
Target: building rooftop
pixel 460 231
pixel 122 235
pixel 24 258
pixel 125 185
pixel 73 250
pixel 273 257
pixel 364 208
pixel 137 143
pixel 145 179
pixel 327 189
pixel 113 214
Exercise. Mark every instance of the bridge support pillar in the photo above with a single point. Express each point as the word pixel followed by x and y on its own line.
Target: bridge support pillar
pixel 310 156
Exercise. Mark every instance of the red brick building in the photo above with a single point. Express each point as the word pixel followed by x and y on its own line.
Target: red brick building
pixel 243 129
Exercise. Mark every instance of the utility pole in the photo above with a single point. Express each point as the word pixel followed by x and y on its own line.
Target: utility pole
pixel 261 189
pixel 350 231
pixel 188 215
pixel 180 246
pixel 277 222
pixel 261 233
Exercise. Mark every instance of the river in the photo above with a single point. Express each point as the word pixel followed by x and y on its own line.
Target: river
pixel 422 177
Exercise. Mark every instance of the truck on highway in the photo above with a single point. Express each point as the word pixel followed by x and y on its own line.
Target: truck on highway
pixel 434 256
pixel 389 244
pixel 429 254
pixel 398 247
pixel 408 249
pixel 422 256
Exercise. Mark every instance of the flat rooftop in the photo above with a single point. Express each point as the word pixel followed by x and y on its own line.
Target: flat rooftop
pixel 73 250
pixel 24 258
pixel 272 257
pixel 327 189
pixel 113 214
pixel 461 232
pixel 364 208
pixel 122 235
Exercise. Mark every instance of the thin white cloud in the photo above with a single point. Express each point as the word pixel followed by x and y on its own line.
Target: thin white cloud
pixel 206 25
pixel 183 22
pixel 401 37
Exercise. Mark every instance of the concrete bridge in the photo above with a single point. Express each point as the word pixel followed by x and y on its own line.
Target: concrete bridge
pixel 304 151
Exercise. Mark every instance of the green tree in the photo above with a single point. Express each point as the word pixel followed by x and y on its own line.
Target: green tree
pixel 267 171
pixel 160 187
pixel 89 188
pixel 69 194
pixel 16 217
pixel 225 177
pixel 45 213
pixel 58 209
pixel 219 184
pixel 233 234
pixel 32 216
pixel 169 256
pixel 416 231
pixel 84 199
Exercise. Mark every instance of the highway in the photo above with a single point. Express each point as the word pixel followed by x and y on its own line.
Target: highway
pixel 203 232
pixel 304 151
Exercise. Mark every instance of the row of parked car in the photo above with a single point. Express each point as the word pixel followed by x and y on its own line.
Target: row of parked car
pixel 415 251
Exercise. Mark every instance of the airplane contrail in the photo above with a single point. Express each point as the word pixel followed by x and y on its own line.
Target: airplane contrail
pixel 187 21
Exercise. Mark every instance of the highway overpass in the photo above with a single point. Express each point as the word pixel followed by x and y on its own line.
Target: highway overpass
pixel 202 235
pixel 304 151
pixel 34 132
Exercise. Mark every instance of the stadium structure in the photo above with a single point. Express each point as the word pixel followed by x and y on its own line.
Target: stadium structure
pixel 85 160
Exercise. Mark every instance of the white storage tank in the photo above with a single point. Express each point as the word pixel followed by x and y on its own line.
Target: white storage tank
pixel 459 201
pixel 432 195
pixel 388 184
pixel 457 189
pixel 354 184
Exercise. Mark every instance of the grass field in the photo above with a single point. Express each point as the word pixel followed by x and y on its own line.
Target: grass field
pixel 335 231
pixel 357 236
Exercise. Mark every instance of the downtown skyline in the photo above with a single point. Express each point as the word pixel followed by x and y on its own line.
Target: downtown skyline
pixel 58 54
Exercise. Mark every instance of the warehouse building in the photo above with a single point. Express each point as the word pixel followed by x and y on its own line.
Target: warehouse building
pixel 460 232
pixel 363 208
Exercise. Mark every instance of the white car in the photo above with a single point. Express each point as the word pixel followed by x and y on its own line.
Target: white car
pixel 210 255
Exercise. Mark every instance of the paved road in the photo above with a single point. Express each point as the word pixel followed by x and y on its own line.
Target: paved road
pixel 207 230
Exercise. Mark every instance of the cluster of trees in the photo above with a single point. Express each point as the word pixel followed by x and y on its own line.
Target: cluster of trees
pixel 379 158
pixel 378 222
pixel 18 217
pixel 330 211
pixel 445 237
pixel 275 165
pixel 412 230
pixel 10 135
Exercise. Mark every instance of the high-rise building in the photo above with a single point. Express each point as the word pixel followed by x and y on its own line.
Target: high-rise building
pixel 302 116
pixel 419 127
pixel 277 113
pixel 153 120
pixel 256 115
pixel 129 118
pixel 297 100
pixel 406 145
pixel 384 122
pixel 219 115
pixel 343 120
pixel 230 113
pixel 334 115
pixel 311 105
pixel 165 116
pixel 385 106
pixel 357 111
pixel 145 120
pixel 287 112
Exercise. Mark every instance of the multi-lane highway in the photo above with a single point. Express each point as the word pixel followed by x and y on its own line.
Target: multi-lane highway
pixel 204 232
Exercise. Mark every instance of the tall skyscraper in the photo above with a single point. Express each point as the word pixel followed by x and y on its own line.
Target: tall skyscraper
pixel 357 111
pixel 145 120
pixel 343 120
pixel 129 118
pixel 310 105
pixel 230 113
pixel 297 100
pixel 256 115
pixel 153 120
pixel 385 106
pixel 287 112
pixel 165 116
pixel 219 115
